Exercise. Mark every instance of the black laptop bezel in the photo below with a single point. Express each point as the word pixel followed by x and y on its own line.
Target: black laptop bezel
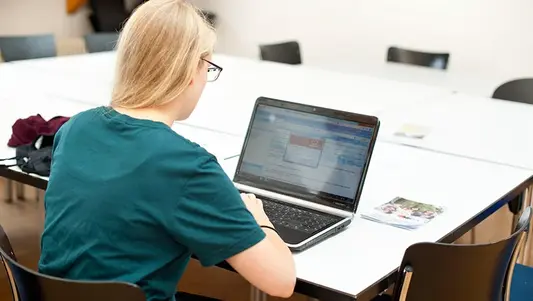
pixel 351 205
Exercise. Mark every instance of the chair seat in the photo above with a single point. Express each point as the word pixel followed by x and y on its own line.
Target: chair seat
pixel 522 283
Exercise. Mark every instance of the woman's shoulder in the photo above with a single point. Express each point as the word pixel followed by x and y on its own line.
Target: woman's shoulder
pixel 174 143
pixel 74 120
pixel 87 115
pixel 151 140
pixel 180 157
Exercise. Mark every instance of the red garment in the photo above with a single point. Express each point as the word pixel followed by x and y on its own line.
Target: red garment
pixel 25 131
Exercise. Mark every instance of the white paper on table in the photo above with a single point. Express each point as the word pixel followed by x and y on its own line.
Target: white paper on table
pixel 413 131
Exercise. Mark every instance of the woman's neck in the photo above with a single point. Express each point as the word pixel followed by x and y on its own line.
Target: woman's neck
pixel 154 114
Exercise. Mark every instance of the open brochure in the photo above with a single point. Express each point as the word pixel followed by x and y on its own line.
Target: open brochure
pixel 403 213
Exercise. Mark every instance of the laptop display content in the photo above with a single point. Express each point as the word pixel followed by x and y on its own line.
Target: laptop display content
pixel 308 156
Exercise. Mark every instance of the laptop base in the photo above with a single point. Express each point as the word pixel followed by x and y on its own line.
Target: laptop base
pixel 297 243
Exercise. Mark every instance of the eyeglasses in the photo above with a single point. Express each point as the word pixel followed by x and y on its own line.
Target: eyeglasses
pixel 213 71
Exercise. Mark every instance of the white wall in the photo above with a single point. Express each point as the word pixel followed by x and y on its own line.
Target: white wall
pixel 46 16
pixel 19 17
pixel 483 36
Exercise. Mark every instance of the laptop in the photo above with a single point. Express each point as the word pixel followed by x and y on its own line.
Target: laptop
pixel 308 166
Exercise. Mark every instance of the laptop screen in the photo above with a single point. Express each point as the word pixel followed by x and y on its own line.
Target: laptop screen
pixel 302 153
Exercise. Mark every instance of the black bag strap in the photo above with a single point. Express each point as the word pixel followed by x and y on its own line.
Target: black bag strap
pixel 8 159
pixel 8 165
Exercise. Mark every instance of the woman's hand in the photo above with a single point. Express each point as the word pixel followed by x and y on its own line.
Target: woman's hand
pixel 255 206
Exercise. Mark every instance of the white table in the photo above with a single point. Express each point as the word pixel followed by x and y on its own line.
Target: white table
pixel 368 252
pixel 27 103
pixel 474 84
pixel 485 129
pixel 226 104
pixel 18 78
pixel 396 170
pixel 88 79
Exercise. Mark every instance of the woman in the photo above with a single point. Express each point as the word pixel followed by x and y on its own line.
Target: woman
pixel 131 200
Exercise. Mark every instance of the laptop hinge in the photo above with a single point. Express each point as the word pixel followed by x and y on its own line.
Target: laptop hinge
pixel 295 201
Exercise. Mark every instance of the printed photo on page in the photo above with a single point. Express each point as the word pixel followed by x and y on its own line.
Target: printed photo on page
pixel 403 213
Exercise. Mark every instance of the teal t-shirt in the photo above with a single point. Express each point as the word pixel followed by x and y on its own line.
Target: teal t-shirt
pixel 131 200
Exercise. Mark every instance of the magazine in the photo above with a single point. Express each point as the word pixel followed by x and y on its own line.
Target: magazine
pixel 403 213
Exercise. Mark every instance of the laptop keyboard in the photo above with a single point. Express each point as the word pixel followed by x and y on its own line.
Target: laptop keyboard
pixel 295 218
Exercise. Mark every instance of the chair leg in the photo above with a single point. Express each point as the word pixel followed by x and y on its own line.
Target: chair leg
pixel 256 294
pixel 8 190
pixel 514 222
pixel 522 201
pixel 526 257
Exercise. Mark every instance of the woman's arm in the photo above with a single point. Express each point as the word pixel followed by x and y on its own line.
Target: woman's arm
pixel 269 265
pixel 217 224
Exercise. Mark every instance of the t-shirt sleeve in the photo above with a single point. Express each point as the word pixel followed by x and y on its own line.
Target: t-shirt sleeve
pixel 57 138
pixel 210 217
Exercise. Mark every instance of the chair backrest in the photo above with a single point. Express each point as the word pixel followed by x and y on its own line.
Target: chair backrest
pixel 16 48
pixel 108 15
pixel 99 42
pixel 27 285
pixel 5 245
pixel 6 248
pixel 518 90
pixel 287 53
pixel 443 272
pixel 425 59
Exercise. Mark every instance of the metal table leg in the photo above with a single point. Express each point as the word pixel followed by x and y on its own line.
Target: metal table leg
pixel 256 294
pixel 8 190
pixel 20 191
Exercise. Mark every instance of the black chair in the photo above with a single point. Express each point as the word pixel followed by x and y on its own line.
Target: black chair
pixel 5 247
pixel 5 244
pixel 100 42
pixel 287 53
pixel 15 48
pixel 27 285
pixel 210 17
pixel 94 22
pixel 424 59
pixel 108 15
pixel 443 272
pixel 518 90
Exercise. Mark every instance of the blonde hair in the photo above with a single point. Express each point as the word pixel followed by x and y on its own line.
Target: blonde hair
pixel 159 50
